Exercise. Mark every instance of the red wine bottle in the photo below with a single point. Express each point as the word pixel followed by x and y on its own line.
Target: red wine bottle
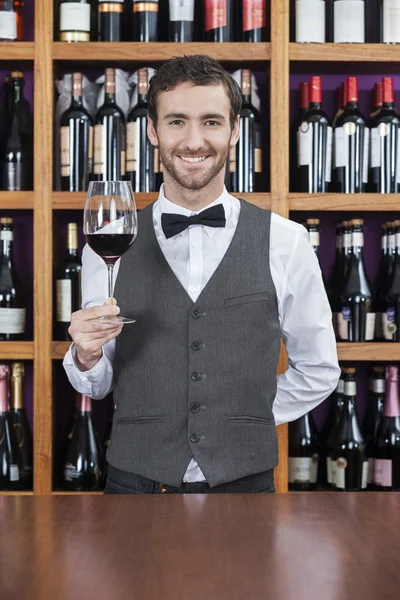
pixel 329 430
pixel 109 135
pixel 387 461
pixel 9 469
pixel 389 21
pixel 110 20
pixel 385 154
pixel 349 21
pixel 142 159
pixel 218 20
pixel 375 402
pixel 246 176
pixel 21 427
pixel 145 21
pixel 351 145
pixel 181 20
pixel 314 144
pixel 349 465
pixel 84 463
pixel 356 319
pixel 8 21
pixel 310 21
pixel 303 453
pixel 68 285
pixel 12 301
pixel 253 20
pixel 389 297
pixel 75 17
pixel 76 139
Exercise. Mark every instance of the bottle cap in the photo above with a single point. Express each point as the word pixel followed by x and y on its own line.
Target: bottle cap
pixel 4 371
pixel 357 222
pixel 392 373
pixel 17 369
pixel 349 370
pixel 378 93
pixel 6 221
pixel 387 90
pixel 315 89
pixel 352 90
pixel 245 82
pixel 17 75
pixel 312 221
pixel 377 369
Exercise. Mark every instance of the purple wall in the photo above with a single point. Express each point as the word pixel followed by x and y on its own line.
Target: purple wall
pixel 29 20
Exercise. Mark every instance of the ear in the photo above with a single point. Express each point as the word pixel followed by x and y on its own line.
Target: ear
pixel 151 132
pixel 235 133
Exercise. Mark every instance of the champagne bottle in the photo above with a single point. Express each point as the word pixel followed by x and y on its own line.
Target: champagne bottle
pixel 349 465
pixel 142 159
pixel 376 398
pixel 9 469
pixel 21 427
pixel 75 17
pixel 181 20
pixel 109 135
pixel 84 463
pixel 387 461
pixel 110 20
pixel 12 302
pixel 329 430
pixel 68 285
pixel 304 451
pixel 76 138
pixel 356 320
pixel 389 297
pixel 145 21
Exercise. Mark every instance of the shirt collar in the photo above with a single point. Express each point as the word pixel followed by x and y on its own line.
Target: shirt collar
pixel 166 206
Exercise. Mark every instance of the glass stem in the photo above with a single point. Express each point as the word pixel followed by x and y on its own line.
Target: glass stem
pixel 110 268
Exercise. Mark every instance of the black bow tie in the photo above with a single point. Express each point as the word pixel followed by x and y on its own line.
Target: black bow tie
pixel 212 217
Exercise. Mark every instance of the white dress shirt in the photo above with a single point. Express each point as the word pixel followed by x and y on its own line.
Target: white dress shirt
pixel 194 254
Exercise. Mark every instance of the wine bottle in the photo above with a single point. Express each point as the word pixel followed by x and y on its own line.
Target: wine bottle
pixel 385 154
pixel 351 140
pixel 75 17
pixel 304 105
pixel 310 21
pixel 84 463
pixel 381 281
pixel 17 160
pixel 109 135
pixel 349 465
pixel 341 102
pixel 356 320
pixel 339 258
pixel 145 21
pixel 142 162
pixel 314 144
pixel 12 302
pixel 110 20
pixel 349 21
pixel 376 398
pixel 247 172
pixel 389 21
pixel 387 461
pixel 377 100
pixel 389 297
pixel 74 415
pixel 8 21
pixel 68 285
pixel 21 427
pixel 218 20
pixel 252 20
pixel 9 469
pixel 340 272
pixel 312 226
pixel 76 139
pixel 303 453
pixel 181 20
pixel 329 430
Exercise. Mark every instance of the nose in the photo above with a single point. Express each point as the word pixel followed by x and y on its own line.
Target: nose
pixel 194 138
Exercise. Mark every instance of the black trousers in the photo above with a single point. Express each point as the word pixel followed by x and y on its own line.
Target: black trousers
pixel 122 482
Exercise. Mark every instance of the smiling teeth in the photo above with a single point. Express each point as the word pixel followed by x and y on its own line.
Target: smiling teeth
pixel 193 160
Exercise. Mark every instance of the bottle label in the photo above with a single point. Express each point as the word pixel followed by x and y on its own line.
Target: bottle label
pixel 384 242
pixel 131 146
pixel 313 236
pixel 391 21
pixel 341 147
pixel 343 321
pixel 6 236
pixel 333 472
pixel 75 16
pixel 8 25
pixel 357 239
pixel 14 473
pixel 375 149
pixel 64 142
pixel 181 10
pixel 254 14
pixel 12 320
pixel 389 326
pixel 391 241
pixel 329 470
pixel 90 150
pixel 364 477
pixel 346 240
pixel 340 387
pixel 303 470
pixel 383 472
pixel 310 21
pixel 71 472
pixel 64 300
pixel 304 144
pixel 366 155
pixel 349 21
pixel 371 469
pixel 216 15
pixel 98 150
pixel 339 468
pixel 370 326
pixel 350 388
pixel 378 386
pixel 328 169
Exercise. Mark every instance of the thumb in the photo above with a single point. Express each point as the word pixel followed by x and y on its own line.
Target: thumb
pixel 110 302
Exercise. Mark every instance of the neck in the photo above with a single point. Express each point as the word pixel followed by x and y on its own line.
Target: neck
pixel 193 200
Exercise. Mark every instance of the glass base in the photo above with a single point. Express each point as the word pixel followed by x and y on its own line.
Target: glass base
pixel 117 320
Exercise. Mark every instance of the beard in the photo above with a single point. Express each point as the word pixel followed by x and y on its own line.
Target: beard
pixel 193 181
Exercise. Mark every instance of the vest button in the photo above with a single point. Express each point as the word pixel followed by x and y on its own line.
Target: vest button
pixel 196 376
pixel 195 408
pixel 196 346
pixel 194 438
pixel 196 314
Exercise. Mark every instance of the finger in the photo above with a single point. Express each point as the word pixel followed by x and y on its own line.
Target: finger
pixel 95 311
pixel 110 302
pixel 92 344
pixel 88 327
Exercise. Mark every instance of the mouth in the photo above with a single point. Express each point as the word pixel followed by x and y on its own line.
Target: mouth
pixel 193 160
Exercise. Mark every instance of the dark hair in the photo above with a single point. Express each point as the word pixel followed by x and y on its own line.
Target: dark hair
pixel 197 69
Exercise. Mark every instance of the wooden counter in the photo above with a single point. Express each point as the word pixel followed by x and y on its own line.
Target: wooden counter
pixel 201 547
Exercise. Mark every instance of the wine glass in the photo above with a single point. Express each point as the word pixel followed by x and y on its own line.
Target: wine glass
pixel 110 226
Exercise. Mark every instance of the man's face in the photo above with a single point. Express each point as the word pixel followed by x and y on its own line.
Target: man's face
pixel 193 133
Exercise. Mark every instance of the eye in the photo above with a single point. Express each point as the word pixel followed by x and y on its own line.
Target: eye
pixel 213 123
pixel 176 121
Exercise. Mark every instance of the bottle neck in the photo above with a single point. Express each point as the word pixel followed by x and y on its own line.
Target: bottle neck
pixel 109 98
pixel 352 105
pixel 76 101
pixel 6 244
pixel 142 98
pixel 17 392
pixel 388 105
pixel 17 93
pixel 392 401
pixel 3 395
pixel 246 98
pixel 316 105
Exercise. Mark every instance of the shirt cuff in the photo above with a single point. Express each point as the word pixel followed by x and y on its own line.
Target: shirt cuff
pixel 91 371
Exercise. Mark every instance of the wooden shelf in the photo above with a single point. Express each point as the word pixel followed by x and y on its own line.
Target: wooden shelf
pixel 17 50
pixel 159 51
pixel 15 493
pixel 63 493
pixel 76 200
pixel 346 202
pixel 372 351
pixel 344 52
pixel 17 200
pixel 16 350
pixel 59 349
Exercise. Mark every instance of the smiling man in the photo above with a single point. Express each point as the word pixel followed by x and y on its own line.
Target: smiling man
pixel 214 283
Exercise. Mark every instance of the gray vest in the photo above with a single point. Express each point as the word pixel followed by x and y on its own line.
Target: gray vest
pixel 197 379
